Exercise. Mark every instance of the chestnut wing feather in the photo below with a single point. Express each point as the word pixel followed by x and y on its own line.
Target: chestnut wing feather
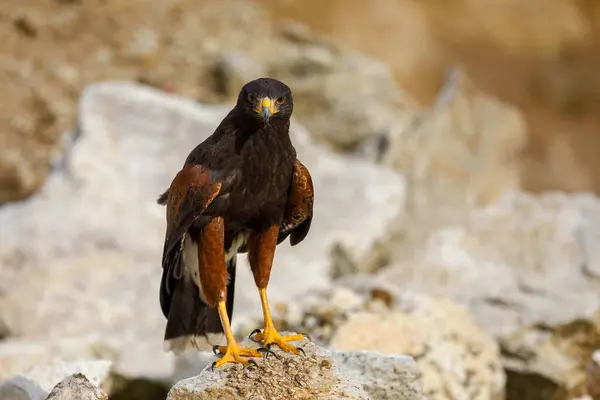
pixel 189 195
pixel 299 209
pixel 191 192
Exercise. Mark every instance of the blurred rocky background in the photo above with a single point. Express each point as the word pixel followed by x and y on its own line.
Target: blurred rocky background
pixel 457 220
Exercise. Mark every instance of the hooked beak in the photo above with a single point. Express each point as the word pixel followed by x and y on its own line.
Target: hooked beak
pixel 266 108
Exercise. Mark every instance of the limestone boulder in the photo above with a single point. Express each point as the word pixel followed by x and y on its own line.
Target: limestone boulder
pixel 456 357
pixel 526 266
pixel 461 153
pixel 319 374
pixel 76 386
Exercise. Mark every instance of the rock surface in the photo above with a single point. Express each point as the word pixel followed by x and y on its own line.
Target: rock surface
pixel 319 374
pixel 543 305
pixel 323 77
pixel 464 150
pixel 77 387
pixel 456 358
pixel 525 265
pixel 97 216
pixel 37 383
pixel 21 355
pixel 381 376
pixel 458 155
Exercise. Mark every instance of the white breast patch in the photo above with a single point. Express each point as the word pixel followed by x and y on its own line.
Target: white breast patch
pixel 190 263
pixel 238 241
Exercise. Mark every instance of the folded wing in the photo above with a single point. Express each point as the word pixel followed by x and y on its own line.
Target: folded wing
pixel 299 209
pixel 192 191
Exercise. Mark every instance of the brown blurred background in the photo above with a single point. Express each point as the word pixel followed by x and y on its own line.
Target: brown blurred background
pixel 541 55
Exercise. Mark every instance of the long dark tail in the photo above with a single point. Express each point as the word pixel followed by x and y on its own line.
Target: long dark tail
pixel 189 317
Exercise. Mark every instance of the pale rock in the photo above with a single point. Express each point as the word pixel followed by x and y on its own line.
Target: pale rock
pixel 320 75
pixel 382 376
pixel 344 300
pixel 456 357
pixel 320 312
pixel 76 386
pixel 18 356
pixel 97 217
pixel 321 80
pixel 296 32
pixel 144 44
pixel 234 69
pixel 319 374
pixel 37 383
pixel 525 267
pixel 460 153
pixel 533 248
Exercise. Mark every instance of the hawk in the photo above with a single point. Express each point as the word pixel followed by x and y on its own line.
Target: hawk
pixel 240 190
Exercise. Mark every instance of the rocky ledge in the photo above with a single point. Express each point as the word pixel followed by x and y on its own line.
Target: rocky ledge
pixel 320 373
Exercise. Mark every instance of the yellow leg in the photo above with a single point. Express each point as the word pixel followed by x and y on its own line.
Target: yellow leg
pixel 270 335
pixel 233 353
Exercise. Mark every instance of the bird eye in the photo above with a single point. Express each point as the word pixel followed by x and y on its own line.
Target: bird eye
pixel 251 98
pixel 280 100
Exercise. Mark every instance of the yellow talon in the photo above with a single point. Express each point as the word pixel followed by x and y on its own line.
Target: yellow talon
pixel 270 335
pixel 241 351
pixel 232 353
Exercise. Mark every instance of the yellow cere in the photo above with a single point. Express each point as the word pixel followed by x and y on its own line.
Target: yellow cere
pixel 267 103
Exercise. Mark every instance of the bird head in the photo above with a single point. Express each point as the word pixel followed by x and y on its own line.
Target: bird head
pixel 266 99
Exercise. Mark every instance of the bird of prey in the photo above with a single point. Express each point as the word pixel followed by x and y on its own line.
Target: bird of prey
pixel 240 190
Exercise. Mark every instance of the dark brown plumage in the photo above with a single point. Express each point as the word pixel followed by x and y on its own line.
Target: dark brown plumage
pixel 242 189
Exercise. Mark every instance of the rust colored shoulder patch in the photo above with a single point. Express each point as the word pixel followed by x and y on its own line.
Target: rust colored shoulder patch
pixel 190 193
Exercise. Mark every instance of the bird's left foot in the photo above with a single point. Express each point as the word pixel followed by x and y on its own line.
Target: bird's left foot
pixel 270 336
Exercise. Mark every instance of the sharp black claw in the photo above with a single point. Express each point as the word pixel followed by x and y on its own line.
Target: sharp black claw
pixel 254 332
pixel 306 335
pixel 251 362
pixel 216 349
pixel 212 367
pixel 301 350
pixel 267 351
pixel 269 346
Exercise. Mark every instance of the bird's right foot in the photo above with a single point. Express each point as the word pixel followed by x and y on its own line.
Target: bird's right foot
pixel 233 353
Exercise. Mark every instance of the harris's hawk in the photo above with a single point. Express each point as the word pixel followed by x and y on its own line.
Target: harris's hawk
pixel 241 190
